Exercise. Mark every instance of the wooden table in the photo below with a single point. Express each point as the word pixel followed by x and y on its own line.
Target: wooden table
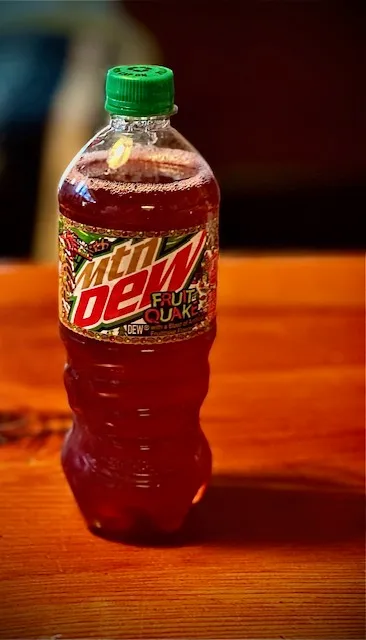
pixel 276 548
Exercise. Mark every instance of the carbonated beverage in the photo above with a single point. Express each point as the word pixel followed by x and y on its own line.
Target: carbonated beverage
pixel 138 243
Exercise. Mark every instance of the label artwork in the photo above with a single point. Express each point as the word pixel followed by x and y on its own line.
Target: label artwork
pixel 137 288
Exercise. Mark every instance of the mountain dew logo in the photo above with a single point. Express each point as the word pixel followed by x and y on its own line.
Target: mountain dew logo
pixel 113 286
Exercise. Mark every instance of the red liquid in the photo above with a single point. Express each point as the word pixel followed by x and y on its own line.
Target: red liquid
pixel 136 457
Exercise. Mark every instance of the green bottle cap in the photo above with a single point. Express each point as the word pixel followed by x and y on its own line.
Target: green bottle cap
pixel 140 90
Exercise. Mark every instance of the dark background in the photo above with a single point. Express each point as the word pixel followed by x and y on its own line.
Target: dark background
pixel 271 93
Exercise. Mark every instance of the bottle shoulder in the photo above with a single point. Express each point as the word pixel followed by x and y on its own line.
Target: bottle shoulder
pixel 127 178
pixel 114 149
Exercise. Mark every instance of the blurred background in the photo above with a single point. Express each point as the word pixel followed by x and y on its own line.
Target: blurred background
pixel 277 111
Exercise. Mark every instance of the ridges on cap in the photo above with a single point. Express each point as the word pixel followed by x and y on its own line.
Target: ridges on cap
pixel 140 90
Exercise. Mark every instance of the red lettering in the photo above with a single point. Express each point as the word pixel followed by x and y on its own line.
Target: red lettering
pixel 131 293
pixel 152 316
pixel 124 290
pixel 194 310
pixel 176 313
pixel 166 298
pixel 90 308
pixel 175 275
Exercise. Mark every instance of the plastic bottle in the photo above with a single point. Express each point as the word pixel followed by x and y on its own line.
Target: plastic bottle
pixel 138 242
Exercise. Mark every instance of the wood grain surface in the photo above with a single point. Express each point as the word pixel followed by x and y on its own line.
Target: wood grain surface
pixel 276 549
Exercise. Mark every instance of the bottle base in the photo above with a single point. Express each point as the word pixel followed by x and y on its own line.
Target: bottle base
pixel 142 531
pixel 116 508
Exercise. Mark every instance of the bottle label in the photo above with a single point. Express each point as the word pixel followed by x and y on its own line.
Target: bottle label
pixel 137 287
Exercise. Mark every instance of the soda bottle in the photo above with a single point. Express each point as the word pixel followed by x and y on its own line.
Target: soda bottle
pixel 138 248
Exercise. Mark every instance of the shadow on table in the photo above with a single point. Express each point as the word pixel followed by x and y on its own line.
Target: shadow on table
pixel 239 510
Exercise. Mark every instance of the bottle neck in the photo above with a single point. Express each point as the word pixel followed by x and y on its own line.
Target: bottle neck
pixel 128 124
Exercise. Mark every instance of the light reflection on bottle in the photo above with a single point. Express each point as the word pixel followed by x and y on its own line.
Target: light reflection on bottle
pixel 82 190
